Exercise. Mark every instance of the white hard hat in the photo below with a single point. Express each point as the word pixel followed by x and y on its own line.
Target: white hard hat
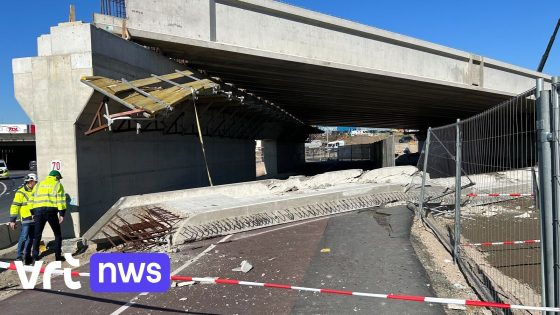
pixel 30 177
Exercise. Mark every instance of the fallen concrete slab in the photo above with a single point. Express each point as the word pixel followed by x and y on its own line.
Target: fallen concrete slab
pixel 227 209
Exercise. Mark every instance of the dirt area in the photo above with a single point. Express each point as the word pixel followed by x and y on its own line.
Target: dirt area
pixel 446 278
pixel 348 139
pixel 512 272
pixel 521 262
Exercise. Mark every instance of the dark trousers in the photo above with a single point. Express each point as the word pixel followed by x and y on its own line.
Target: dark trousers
pixel 25 240
pixel 42 216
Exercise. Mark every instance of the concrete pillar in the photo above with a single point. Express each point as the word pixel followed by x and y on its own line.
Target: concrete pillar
pixel 291 156
pixel 270 157
pixel 100 168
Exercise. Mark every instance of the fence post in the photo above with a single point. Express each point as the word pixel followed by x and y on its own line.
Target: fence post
pixel 546 197
pixel 457 236
pixel 424 171
pixel 556 186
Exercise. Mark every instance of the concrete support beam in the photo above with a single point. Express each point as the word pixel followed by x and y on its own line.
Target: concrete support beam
pixel 309 63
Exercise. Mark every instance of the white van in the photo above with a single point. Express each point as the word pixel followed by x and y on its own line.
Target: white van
pixel 4 173
pixel 334 145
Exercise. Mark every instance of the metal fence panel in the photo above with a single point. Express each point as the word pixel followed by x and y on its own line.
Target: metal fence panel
pixel 499 232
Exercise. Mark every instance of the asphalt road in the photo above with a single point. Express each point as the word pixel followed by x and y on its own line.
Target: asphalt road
pixel 7 189
pixel 370 252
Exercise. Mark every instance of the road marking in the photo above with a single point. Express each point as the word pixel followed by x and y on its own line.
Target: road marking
pixel 185 265
pixel 5 188
pixel 280 228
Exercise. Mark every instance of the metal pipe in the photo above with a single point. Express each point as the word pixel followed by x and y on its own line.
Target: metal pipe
pixel 538 89
pixel 458 168
pixel 546 197
pixel 556 185
pixel 424 169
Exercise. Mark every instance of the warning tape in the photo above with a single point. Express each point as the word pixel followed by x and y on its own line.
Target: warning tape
pixel 502 243
pixel 12 266
pixel 414 298
pixel 500 195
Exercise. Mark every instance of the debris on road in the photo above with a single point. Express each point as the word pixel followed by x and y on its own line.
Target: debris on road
pixel 245 267
pixel 185 283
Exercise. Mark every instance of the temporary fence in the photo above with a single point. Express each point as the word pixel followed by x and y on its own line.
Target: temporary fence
pixel 380 152
pixel 479 190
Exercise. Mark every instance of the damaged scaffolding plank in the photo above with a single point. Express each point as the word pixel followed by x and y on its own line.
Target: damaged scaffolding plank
pixel 153 99
pixel 142 94
pixel 144 98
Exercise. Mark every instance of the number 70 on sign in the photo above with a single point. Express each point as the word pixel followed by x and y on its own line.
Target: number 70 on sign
pixel 56 165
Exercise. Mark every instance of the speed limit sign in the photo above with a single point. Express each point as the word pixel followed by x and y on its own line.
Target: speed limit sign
pixel 56 165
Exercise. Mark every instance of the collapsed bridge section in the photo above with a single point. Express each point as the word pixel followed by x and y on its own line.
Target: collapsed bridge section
pixel 121 119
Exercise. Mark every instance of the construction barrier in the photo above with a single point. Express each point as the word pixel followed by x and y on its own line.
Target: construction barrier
pixel 502 243
pixel 398 297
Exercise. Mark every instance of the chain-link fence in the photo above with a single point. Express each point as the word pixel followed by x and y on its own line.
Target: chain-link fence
pixel 381 152
pixel 355 152
pixel 493 227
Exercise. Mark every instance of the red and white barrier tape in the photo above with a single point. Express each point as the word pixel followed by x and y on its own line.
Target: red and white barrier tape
pixel 500 195
pixel 12 266
pixel 414 298
pixel 502 243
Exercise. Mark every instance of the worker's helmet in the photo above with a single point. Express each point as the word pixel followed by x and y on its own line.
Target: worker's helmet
pixel 30 177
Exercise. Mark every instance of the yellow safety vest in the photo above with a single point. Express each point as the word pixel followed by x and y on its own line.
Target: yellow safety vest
pixel 49 193
pixel 20 206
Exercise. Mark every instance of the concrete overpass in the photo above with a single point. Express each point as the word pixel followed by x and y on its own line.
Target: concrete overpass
pixel 320 69
pixel 17 150
pixel 323 69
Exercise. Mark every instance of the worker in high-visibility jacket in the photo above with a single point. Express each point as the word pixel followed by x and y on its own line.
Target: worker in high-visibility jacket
pixel 48 205
pixel 22 209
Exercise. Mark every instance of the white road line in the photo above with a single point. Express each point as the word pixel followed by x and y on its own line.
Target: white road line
pixel 5 188
pixel 185 265
pixel 188 263
pixel 279 228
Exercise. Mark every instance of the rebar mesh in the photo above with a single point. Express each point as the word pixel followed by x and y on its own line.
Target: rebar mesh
pixel 498 168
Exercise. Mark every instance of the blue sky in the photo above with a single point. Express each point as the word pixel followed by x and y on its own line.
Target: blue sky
pixel 512 31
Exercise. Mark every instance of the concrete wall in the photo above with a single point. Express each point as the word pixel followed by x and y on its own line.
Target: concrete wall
pixel 277 30
pixel 291 156
pixel 282 157
pixel 100 168
pixel 270 157
pixel 380 153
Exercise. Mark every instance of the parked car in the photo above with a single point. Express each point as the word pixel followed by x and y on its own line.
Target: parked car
pixel 406 139
pixel 33 166
pixel 4 173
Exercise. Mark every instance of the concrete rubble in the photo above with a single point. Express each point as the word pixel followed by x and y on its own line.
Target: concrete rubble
pixel 227 209
pixel 244 267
